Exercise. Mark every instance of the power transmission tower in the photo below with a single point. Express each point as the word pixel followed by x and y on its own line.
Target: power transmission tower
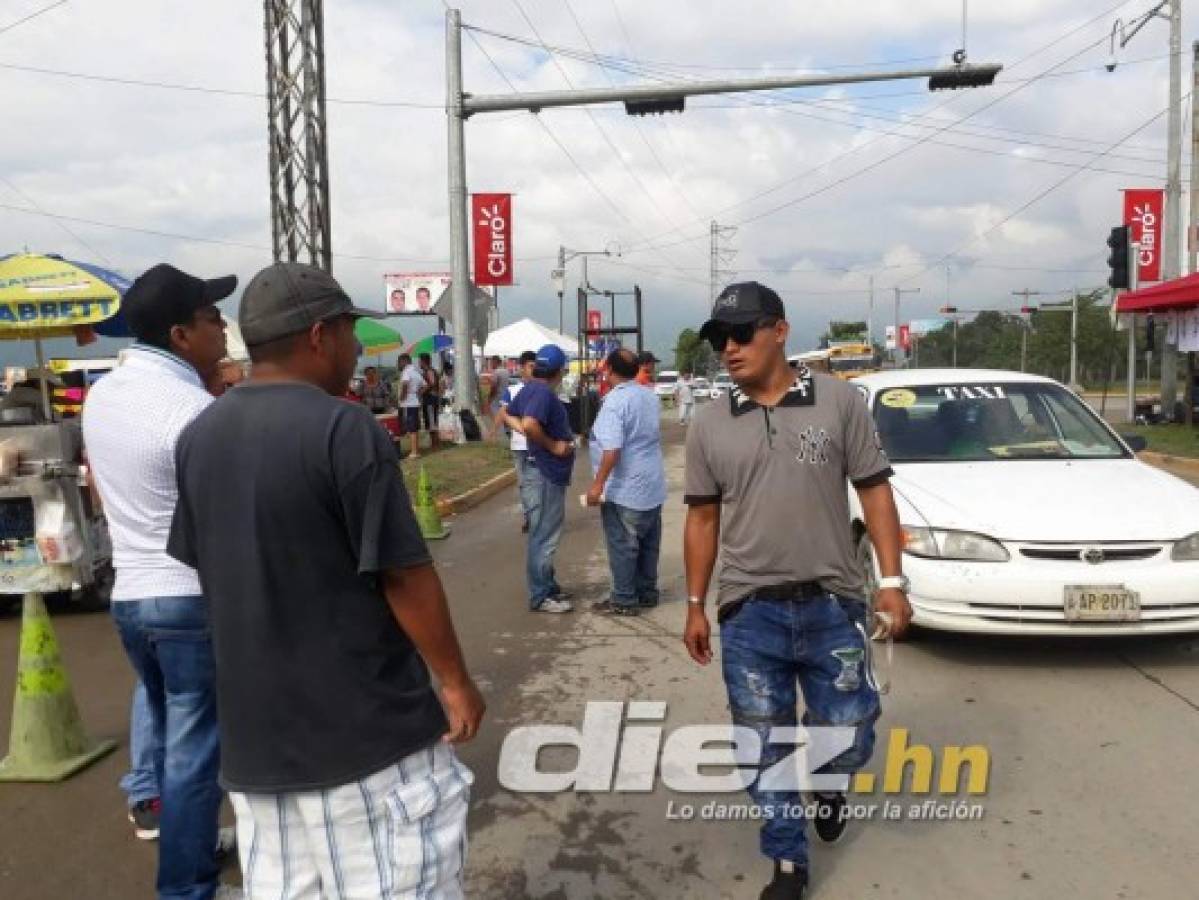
pixel 721 256
pixel 299 153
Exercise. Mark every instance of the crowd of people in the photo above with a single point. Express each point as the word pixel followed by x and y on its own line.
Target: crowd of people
pixel 291 635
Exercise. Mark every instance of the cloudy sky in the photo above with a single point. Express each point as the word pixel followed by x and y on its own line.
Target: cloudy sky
pixel 969 195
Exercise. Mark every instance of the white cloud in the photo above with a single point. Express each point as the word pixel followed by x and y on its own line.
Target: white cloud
pixel 195 164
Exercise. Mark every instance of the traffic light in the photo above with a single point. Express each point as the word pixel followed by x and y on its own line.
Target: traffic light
pixel 964 77
pixel 949 310
pixel 1028 310
pixel 654 107
pixel 1117 261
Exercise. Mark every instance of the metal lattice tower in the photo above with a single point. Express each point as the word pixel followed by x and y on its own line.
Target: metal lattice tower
pixel 720 257
pixel 299 153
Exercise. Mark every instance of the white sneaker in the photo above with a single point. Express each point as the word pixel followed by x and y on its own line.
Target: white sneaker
pixel 556 606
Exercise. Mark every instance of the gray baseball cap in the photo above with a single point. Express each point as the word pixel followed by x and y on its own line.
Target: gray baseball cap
pixel 287 298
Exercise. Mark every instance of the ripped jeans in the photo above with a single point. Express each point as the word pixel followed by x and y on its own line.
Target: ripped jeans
pixel 768 646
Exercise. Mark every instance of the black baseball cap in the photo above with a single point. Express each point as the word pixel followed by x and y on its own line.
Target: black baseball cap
pixel 645 357
pixel 289 297
pixel 746 301
pixel 165 296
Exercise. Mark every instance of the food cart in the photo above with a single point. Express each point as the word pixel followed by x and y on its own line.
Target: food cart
pixel 53 537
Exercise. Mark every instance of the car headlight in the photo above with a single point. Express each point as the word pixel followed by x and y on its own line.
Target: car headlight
pixel 1187 549
pixel 941 543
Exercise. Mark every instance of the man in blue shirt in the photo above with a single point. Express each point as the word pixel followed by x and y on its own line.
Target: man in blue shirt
pixel 540 415
pixel 629 486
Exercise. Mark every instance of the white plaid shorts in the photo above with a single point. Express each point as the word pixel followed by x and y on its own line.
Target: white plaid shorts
pixel 399 833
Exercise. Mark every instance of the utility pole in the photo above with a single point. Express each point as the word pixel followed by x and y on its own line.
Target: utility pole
pixel 1171 261
pixel 645 99
pixel 558 276
pixel 1188 393
pixel 898 293
pixel 296 132
pixel 1026 293
pixel 870 317
pixel 1074 386
pixel 718 258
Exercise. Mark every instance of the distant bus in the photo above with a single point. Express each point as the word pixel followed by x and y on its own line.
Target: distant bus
pixel 844 360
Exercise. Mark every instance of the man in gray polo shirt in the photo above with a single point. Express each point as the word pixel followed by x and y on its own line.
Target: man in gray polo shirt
pixel 766 485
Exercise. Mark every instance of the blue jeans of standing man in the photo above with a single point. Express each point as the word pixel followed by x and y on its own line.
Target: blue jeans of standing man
pixel 768 646
pixel 546 516
pixel 141 783
pixel 168 641
pixel 634 538
pixel 520 461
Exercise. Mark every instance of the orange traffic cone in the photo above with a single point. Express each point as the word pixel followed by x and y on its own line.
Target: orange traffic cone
pixel 47 742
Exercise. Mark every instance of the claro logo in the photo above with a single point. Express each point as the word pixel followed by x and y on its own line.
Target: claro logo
pixel 495 222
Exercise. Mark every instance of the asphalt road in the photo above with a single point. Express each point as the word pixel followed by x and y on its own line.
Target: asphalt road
pixel 1091 792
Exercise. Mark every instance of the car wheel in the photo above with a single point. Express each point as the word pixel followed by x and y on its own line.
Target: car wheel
pixel 865 558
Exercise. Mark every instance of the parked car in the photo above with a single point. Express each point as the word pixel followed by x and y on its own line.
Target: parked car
pixel 722 383
pixel 701 389
pixel 1023 512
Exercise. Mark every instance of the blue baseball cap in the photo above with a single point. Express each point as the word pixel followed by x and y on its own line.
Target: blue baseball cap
pixel 550 359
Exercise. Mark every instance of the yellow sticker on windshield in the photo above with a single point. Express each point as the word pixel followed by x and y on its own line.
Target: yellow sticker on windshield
pixel 898 398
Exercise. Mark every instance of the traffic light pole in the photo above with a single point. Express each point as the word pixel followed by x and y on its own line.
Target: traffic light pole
pixel 638 100
pixel 1171 262
pixel 1131 404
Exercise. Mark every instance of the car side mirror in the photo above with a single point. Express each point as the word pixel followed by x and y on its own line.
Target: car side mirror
pixel 1136 443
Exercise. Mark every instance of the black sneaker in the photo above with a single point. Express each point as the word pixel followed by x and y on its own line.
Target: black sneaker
pixel 789 885
pixel 830 821
pixel 144 815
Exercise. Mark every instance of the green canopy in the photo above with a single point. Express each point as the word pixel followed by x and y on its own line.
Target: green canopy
pixel 377 339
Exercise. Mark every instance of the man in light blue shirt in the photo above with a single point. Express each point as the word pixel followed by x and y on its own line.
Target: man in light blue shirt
pixel 629 486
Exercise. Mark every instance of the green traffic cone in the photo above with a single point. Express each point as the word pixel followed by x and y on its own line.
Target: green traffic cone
pixel 47 742
pixel 431 527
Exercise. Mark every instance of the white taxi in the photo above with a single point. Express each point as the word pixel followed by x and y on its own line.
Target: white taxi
pixel 1023 512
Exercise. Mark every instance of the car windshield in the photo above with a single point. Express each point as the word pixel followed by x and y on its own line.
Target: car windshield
pixel 667 379
pixel 997 421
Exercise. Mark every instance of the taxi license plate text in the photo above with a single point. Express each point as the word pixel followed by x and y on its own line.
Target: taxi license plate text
pixel 1101 603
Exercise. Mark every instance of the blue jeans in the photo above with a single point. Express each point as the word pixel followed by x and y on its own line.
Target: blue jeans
pixel 634 539
pixel 141 783
pixel 546 516
pixel 767 647
pixel 168 641
pixel 520 461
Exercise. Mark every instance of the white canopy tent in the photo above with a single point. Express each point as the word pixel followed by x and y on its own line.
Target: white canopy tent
pixel 235 345
pixel 513 340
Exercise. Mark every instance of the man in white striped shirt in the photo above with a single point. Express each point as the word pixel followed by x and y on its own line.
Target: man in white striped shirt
pixel 131 422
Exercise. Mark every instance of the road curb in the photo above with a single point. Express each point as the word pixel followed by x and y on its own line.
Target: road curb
pixel 1188 465
pixel 472 498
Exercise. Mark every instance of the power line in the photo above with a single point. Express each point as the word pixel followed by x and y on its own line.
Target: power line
pixel 1040 196
pixel 916 142
pixel 33 15
pixel 603 132
pixel 202 89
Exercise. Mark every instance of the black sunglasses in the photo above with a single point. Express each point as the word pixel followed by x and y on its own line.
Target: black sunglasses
pixel 742 333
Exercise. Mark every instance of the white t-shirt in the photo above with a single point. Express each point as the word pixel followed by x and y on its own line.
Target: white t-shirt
pixel 683 391
pixel 412 377
pixel 518 441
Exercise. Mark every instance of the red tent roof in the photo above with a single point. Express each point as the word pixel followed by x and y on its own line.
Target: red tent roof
pixel 1181 293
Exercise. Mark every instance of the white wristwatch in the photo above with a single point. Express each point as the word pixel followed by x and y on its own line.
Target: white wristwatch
pixel 899 582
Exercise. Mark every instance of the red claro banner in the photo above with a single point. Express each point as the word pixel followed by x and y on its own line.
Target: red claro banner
pixel 1144 210
pixel 492 218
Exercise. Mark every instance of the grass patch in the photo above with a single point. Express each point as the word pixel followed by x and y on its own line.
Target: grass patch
pixel 458 468
pixel 1174 440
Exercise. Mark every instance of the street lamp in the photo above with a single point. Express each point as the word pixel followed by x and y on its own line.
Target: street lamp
pixel 559 274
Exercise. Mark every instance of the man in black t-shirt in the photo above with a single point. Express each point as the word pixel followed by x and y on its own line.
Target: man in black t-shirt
pixel 327 615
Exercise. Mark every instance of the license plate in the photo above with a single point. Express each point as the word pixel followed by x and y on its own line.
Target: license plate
pixel 1101 603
